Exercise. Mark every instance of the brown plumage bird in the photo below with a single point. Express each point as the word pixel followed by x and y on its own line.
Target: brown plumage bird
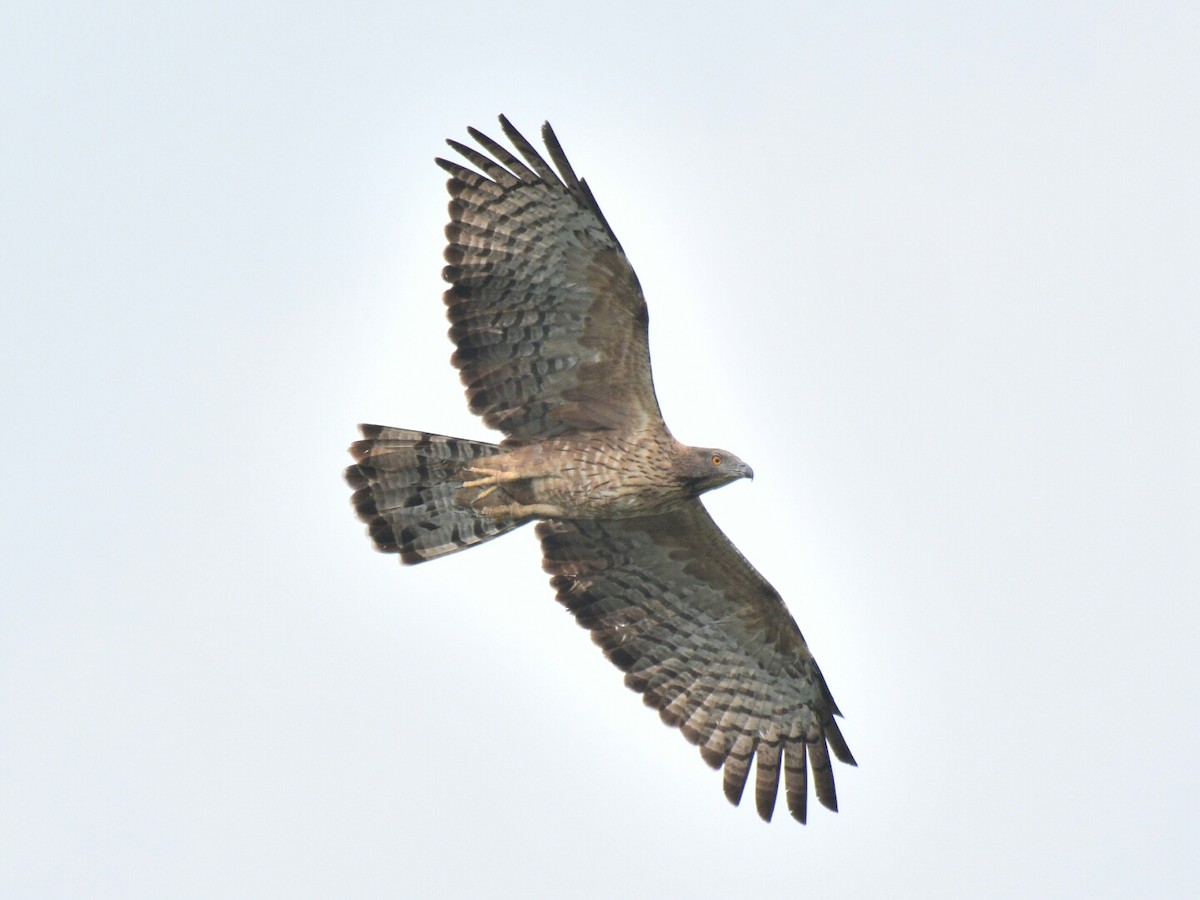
pixel 550 327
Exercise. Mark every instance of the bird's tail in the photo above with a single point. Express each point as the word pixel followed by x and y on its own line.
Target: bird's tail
pixel 406 488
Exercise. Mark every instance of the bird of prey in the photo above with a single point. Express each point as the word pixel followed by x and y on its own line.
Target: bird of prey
pixel 550 329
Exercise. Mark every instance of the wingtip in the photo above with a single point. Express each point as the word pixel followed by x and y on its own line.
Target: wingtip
pixel 837 743
pixel 509 129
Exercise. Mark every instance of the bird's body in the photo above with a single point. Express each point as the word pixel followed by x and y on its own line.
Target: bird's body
pixel 602 477
pixel 551 333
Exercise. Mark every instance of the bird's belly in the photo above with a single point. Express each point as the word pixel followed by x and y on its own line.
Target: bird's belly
pixel 587 484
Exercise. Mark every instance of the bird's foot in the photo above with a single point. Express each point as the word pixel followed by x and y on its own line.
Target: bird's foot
pixel 492 478
pixel 522 511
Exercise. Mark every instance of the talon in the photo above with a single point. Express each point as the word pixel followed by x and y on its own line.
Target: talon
pixel 492 478
pixel 480 482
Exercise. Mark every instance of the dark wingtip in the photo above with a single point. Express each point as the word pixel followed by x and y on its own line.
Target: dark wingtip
pixel 411 557
pixel 363 501
pixel 837 743
pixel 383 536
pixel 733 791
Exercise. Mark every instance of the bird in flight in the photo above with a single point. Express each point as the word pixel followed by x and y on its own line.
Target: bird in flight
pixel 550 330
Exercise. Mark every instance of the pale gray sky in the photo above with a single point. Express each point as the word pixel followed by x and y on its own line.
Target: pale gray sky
pixel 931 268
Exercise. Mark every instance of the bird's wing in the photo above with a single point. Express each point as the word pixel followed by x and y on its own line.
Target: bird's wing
pixel 546 312
pixel 707 642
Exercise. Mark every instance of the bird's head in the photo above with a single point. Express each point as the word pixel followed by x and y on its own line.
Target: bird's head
pixel 706 468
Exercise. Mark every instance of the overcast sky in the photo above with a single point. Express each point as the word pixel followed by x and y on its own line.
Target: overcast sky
pixel 930 268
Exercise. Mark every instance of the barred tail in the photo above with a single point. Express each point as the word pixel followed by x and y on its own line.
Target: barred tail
pixel 405 484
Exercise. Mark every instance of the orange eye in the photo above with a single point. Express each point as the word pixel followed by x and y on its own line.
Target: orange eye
pixel 716 460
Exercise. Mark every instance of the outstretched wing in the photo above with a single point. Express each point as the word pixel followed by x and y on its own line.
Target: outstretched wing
pixel 547 314
pixel 707 642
